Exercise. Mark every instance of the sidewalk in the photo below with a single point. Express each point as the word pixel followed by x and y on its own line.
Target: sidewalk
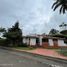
pixel 46 52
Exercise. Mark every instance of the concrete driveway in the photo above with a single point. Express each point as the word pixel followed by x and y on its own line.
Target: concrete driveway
pixel 47 52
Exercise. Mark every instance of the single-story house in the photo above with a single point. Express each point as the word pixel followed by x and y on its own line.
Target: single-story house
pixel 44 41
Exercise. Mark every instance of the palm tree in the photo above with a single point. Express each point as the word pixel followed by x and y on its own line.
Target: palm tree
pixel 63 25
pixel 60 3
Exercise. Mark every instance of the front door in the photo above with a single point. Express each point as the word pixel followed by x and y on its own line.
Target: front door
pixel 55 41
pixel 45 43
pixel 37 42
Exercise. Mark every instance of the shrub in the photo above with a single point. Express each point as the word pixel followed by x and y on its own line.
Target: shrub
pixel 2 42
pixel 63 51
pixel 24 45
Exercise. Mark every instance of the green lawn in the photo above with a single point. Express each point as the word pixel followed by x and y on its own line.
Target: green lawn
pixel 25 48
pixel 63 51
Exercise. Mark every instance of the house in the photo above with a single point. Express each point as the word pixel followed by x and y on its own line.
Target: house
pixel 45 41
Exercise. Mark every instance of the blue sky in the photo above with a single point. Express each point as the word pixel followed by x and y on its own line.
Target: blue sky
pixel 34 16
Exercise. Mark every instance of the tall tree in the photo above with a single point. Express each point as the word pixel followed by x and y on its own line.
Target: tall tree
pixel 2 30
pixel 14 35
pixel 60 3
pixel 53 31
pixel 63 25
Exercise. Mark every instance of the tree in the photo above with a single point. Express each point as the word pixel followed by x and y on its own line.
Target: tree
pixel 14 35
pixel 60 3
pixel 63 25
pixel 64 28
pixel 53 31
pixel 2 30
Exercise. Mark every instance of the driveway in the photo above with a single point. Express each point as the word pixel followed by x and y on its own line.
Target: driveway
pixel 47 52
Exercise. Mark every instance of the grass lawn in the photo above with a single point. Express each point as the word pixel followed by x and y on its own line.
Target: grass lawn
pixel 53 49
pixel 63 51
pixel 25 48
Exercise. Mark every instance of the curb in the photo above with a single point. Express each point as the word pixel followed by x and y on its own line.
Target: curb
pixel 46 57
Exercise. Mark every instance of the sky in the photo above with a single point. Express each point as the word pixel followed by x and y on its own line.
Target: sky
pixel 34 16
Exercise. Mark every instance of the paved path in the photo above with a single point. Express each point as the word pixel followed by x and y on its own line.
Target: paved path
pixel 47 52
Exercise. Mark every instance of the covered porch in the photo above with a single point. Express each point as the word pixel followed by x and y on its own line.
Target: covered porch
pixel 46 42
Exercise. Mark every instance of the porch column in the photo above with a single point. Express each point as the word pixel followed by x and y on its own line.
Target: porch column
pixel 51 42
pixel 40 39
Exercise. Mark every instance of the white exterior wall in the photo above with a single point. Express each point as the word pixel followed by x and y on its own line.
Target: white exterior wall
pixel 61 43
pixel 51 42
pixel 33 41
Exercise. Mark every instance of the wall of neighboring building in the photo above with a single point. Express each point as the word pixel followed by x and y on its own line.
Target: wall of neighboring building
pixel 61 43
pixel 32 41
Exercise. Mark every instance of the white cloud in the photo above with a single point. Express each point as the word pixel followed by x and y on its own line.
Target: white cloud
pixel 35 16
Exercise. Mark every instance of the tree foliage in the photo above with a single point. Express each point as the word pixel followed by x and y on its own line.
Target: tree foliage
pixel 53 31
pixel 2 29
pixel 63 25
pixel 14 35
pixel 60 3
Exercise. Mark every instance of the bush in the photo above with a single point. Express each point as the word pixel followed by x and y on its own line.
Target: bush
pixel 63 51
pixel 24 45
pixel 2 42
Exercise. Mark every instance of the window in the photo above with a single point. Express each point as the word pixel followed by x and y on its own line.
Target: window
pixel 54 39
pixel 44 40
pixel 37 40
pixel 65 41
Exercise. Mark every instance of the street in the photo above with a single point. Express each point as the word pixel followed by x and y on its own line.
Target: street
pixel 17 59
